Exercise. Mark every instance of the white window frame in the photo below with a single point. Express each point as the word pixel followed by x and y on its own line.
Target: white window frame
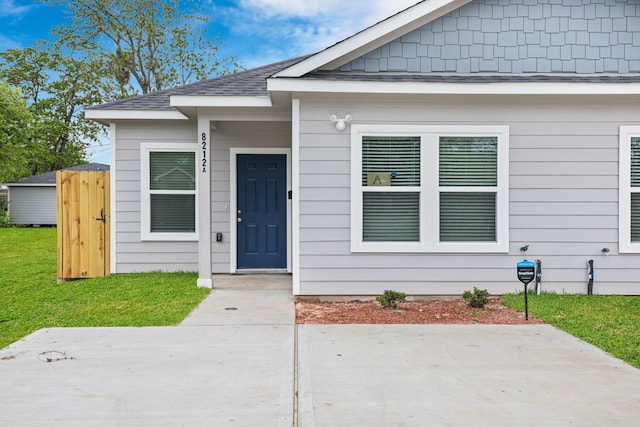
pixel 624 188
pixel 146 148
pixel 430 189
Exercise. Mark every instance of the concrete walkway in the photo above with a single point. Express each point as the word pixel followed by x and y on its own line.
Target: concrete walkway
pixel 232 362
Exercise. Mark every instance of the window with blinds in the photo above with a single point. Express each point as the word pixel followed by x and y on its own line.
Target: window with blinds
pixel 468 162
pixel 172 184
pixel 635 189
pixel 391 167
pixel 430 188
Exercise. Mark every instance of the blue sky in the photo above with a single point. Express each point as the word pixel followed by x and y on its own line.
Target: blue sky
pixel 257 32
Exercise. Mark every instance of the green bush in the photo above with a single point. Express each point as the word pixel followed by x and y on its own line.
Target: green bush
pixel 478 298
pixel 391 299
pixel 4 219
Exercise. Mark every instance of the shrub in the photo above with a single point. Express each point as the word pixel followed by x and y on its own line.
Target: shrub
pixel 4 219
pixel 478 298
pixel 391 299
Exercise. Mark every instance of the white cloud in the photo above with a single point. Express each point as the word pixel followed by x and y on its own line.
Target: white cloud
pixel 280 29
pixel 9 8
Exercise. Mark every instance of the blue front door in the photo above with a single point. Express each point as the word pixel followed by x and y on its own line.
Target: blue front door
pixel 262 210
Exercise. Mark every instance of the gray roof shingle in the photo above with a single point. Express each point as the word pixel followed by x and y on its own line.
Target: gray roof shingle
pixel 49 178
pixel 245 83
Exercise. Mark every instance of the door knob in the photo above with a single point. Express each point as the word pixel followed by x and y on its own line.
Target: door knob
pixel 239 219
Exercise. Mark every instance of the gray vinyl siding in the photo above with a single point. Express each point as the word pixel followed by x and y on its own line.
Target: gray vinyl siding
pixel 563 197
pixel 132 254
pixel 518 36
pixel 32 205
pixel 225 136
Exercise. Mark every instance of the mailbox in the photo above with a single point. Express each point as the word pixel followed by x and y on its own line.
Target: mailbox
pixel 526 271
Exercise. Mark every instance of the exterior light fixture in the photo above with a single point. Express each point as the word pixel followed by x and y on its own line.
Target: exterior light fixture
pixel 341 124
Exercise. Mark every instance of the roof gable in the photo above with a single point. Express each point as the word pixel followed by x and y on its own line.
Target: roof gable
pixel 546 36
pixel 373 37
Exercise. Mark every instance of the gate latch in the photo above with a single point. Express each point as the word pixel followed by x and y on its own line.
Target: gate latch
pixel 102 217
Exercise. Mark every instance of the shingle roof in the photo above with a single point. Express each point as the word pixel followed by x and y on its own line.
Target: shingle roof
pixel 245 83
pixel 49 178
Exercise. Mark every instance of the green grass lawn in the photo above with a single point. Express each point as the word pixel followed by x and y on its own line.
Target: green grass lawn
pixel 31 298
pixel 611 323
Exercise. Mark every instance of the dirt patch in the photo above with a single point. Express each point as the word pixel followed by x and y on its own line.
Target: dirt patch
pixel 416 312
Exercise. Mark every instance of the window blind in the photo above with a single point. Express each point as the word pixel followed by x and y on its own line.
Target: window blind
pixel 391 217
pixel 467 217
pixel 172 170
pixel 173 213
pixel 398 156
pixel 468 161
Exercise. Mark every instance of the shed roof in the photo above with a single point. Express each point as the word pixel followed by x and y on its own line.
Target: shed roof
pixel 49 178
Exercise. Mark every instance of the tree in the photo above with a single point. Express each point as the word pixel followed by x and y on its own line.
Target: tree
pixel 56 87
pixel 15 119
pixel 148 44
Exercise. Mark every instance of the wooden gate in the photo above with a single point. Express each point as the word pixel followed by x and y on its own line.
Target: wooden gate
pixel 83 224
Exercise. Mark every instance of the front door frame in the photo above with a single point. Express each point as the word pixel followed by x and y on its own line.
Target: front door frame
pixel 233 205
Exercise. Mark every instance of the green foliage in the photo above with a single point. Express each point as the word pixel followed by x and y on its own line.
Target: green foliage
pixel 15 119
pixel 148 45
pixel 609 322
pixel 478 298
pixel 391 299
pixel 4 219
pixel 31 298
pixel 54 88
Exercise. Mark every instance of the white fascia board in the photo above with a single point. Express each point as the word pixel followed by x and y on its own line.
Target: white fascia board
pixel 134 115
pixel 431 88
pixel 382 32
pixel 220 101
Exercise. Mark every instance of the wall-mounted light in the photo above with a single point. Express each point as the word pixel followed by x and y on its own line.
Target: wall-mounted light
pixel 341 124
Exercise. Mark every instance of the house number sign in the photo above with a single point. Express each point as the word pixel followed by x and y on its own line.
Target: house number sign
pixel 203 139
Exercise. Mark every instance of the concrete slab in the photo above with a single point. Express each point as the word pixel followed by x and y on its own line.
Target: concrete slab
pixel 244 307
pixel 459 375
pixel 223 375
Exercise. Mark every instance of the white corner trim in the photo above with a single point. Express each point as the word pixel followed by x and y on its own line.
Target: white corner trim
pixel 295 187
pixel 134 115
pixel 374 36
pixel 220 101
pixel 431 88
pixel 113 268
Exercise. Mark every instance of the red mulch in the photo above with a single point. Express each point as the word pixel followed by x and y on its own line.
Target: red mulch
pixel 412 312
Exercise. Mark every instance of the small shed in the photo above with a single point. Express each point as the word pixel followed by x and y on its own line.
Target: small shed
pixel 32 200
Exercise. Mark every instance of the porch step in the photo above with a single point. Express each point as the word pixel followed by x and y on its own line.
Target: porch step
pixel 268 281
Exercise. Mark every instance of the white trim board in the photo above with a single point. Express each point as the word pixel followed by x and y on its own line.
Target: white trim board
pixel 431 88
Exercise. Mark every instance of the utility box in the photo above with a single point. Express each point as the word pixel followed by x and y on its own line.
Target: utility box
pixel 526 271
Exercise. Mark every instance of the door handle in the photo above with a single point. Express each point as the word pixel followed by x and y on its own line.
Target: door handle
pixel 239 219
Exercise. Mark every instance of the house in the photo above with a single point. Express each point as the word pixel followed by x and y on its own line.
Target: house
pixel 427 154
pixel 32 200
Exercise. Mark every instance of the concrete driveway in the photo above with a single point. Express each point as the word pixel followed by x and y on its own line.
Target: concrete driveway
pixel 243 367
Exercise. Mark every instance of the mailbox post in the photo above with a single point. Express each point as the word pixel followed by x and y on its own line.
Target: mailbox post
pixel 526 273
